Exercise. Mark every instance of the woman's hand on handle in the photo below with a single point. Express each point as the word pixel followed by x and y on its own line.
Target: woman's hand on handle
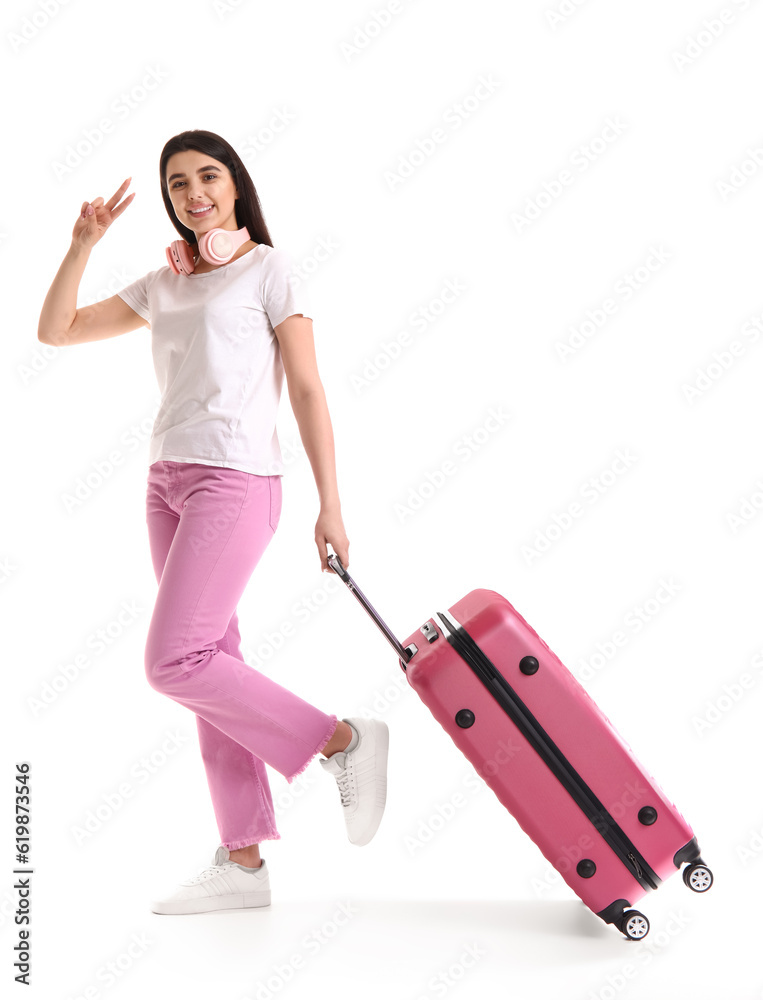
pixel 96 217
pixel 329 528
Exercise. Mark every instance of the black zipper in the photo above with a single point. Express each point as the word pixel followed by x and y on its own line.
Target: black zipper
pixel 550 753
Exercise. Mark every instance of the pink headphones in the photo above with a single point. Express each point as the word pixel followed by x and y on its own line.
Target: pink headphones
pixel 216 247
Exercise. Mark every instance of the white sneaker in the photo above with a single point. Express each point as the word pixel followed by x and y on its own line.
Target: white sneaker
pixel 361 776
pixel 225 885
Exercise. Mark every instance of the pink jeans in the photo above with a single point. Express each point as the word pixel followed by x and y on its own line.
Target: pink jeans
pixel 208 528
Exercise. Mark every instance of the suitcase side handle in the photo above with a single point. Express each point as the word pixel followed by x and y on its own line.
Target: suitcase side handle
pixel 336 564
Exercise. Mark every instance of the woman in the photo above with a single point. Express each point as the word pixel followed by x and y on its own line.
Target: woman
pixel 227 321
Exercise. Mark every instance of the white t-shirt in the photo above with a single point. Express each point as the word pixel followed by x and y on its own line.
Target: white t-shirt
pixel 217 358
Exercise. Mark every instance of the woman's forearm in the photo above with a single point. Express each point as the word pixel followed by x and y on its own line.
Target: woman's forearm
pixel 60 305
pixel 312 414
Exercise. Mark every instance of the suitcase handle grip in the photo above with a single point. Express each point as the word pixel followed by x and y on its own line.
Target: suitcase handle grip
pixel 336 564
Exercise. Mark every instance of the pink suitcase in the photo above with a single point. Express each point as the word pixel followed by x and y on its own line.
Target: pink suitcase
pixel 549 753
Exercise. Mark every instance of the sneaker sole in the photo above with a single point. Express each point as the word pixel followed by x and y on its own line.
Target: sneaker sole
pixel 239 901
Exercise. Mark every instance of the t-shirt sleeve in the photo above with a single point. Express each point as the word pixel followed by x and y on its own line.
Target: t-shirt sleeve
pixel 136 296
pixel 282 292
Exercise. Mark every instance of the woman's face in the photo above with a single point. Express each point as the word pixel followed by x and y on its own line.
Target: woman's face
pixel 194 181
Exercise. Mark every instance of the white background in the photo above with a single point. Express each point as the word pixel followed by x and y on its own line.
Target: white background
pixel 363 87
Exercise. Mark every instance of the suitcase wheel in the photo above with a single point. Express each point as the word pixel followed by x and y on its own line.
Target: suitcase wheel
pixel 634 925
pixel 698 877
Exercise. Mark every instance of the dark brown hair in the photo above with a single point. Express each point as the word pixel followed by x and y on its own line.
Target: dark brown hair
pixel 248 209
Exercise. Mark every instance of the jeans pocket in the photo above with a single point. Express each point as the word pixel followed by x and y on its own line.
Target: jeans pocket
pixel 276 497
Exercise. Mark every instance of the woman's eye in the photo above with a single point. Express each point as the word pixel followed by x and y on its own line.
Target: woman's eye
pixel 205 177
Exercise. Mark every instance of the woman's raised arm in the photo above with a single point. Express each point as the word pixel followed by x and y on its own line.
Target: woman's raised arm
pixel 59 310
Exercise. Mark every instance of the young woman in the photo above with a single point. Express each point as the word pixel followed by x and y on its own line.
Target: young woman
pixel 227 321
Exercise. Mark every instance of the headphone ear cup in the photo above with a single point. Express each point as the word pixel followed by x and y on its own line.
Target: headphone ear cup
pixel 216 246
pixel 219 245
pixel 180 257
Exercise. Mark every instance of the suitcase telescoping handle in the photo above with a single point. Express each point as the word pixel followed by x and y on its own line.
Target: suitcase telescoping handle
pixel 336 564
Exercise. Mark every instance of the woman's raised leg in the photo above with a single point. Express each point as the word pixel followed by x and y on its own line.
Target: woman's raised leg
pixel 224 526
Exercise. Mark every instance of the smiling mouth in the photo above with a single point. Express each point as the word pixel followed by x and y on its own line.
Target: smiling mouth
pixel 201 214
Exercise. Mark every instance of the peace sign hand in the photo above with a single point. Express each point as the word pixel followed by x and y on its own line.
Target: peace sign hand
pixel 96 217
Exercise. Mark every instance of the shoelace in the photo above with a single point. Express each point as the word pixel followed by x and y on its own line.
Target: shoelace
pixel 343 781
pixel 212 870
